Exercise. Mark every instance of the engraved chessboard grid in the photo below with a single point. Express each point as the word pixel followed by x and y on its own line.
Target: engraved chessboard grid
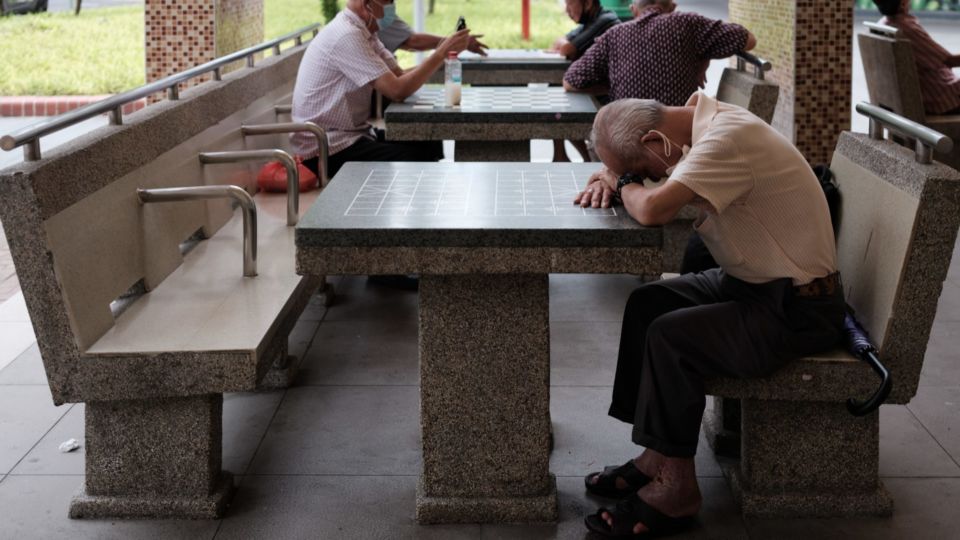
pixel 512 192
pixel 495 99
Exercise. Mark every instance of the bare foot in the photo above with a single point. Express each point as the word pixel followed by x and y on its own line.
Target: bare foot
pixel 674 491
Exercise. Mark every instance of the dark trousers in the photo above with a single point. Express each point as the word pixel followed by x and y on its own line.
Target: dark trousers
pixel 380 150
pixel 679 332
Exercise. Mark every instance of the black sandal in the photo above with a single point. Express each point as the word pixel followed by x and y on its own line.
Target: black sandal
pixel 606 485
pixel 631 511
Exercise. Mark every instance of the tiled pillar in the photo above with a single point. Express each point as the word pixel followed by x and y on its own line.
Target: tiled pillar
pixel 809 43
pixel 182 34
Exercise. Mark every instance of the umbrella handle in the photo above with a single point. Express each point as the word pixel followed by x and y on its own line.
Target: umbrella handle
pixel 863 408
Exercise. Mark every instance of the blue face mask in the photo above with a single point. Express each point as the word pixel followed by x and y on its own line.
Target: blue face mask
pixel 389 15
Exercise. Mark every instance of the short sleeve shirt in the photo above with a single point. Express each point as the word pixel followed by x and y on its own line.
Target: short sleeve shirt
pixel 656 56
pixel 763 215
pixel 394 35
pixel 939 85
pixel 583 36
pixel 335 83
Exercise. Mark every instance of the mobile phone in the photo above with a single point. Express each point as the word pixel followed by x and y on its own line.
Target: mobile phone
pixel 461 23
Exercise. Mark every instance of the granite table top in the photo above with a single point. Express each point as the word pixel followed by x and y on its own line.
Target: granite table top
pixel 535 104
pixel 465 205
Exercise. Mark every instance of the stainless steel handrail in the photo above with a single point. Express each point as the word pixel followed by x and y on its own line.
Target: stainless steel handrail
pixel 291 127
pixel 293 175
pixel 30 135
pixel 283 109
pixel 759 64
pixel 883 29
pixel 927 140
pixel 237 193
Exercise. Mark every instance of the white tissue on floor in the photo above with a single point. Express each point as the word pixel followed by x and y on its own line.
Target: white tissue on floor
pixel 69 445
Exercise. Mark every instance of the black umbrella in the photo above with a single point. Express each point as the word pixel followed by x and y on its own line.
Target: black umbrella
pixel 858 342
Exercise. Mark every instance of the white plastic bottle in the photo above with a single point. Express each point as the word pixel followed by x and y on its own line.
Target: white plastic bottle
pixel 452 78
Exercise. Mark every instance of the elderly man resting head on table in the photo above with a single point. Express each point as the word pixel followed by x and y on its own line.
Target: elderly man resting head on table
pixel 775 297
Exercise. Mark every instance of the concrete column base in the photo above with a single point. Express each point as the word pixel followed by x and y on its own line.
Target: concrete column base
pixel 529 509
pixel 492 151
pixel 485 400
pixel 158 458
pixel 808 459
pixel 86 506
pixel 721 426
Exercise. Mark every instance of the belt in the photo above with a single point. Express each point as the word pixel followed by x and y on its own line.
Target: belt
pixel 825 286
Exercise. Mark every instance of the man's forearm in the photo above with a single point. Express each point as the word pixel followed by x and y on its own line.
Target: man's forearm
pixel 595 90
pixel 953 60
pixel 413 79
pixel 421 42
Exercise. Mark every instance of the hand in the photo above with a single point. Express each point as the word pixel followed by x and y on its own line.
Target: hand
pixel 455 42
pixel 476 46
pixel 600 190
pixel 703 73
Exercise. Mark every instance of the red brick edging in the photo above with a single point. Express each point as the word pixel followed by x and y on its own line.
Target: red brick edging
pixel 54 105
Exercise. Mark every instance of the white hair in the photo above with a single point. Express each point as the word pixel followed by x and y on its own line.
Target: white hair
pixel 619 126
pixel 642 4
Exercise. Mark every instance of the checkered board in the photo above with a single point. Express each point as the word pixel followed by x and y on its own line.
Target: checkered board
pixel 495 99
pixel 511 191
pixel 514 55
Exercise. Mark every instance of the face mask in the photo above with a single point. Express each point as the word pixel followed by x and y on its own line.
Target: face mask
pixel 667 149
pixel 389 15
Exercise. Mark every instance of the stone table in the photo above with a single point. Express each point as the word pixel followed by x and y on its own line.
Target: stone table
pixel 483 237
pixel 491 121
pixel 510 67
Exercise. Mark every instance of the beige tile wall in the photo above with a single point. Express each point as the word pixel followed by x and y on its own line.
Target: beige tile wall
pixel 809 43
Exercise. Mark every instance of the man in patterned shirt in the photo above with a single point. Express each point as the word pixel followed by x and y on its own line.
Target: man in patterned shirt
pixel 658 55
pixel 335 82
pixel 939 85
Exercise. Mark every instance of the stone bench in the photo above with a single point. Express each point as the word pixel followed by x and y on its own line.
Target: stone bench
pixel 893 84
pixel 802 452
pixel 146 332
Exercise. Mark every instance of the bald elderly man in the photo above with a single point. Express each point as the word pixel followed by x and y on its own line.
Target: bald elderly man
pixel 775 297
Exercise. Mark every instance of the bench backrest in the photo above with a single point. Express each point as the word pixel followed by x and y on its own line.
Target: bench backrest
pixel 891 75
pixel 744 89
pixel 78 235
pixel 897 228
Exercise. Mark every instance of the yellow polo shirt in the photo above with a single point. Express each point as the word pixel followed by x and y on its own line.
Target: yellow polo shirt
pixel 763 215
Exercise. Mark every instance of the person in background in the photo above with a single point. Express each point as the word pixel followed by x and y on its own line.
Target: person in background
pixel 592 21
pixel 395 34
pixel 335 81
pixel 939 84
pixel 659 55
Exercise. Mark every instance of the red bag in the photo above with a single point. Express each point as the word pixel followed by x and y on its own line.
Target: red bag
pixel 273 177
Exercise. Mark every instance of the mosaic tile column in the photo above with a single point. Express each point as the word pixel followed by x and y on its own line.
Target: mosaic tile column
pixel 810 44
pixel 182 34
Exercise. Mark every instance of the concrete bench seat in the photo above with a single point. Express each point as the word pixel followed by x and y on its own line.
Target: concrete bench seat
pixel 802 453
pixel 195 311
pixel 146 331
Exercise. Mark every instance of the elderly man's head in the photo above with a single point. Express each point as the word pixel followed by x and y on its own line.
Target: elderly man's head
pixel 576 9
pixel 618 132
pixel 637 7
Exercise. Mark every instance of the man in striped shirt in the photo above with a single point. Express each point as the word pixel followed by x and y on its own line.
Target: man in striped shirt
pixel 335 82
pixel 939 85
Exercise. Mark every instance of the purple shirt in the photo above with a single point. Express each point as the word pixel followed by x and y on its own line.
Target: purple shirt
pixel 656 56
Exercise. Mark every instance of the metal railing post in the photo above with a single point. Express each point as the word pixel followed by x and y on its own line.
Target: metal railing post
pixel 291 127
pixel 237 193
pixel 293 175
pixel 926 140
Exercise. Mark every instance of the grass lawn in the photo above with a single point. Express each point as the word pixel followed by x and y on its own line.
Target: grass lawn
pixel 101 51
